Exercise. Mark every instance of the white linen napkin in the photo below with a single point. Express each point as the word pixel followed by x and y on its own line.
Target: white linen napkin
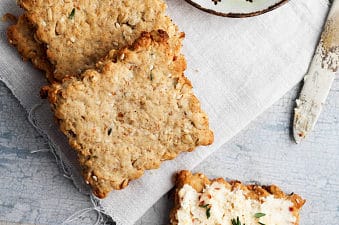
pixel 238 67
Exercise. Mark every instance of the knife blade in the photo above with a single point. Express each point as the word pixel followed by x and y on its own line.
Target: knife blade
pixel 319 78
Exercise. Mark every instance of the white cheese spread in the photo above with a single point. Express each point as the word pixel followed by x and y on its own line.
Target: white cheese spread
pixel 219 205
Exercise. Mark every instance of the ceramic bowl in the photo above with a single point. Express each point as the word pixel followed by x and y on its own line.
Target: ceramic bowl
pixel 237 8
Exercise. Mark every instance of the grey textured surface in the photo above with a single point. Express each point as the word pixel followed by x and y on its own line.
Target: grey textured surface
pixel 33 189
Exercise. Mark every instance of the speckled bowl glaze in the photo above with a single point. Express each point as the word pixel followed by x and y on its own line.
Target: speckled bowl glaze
pixel 237 8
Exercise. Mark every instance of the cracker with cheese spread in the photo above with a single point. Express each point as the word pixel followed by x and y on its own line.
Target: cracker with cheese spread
pixel 200 200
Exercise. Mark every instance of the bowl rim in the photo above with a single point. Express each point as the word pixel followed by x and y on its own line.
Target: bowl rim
pixel 238 15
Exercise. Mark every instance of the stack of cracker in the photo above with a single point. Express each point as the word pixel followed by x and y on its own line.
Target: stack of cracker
pixel 117 86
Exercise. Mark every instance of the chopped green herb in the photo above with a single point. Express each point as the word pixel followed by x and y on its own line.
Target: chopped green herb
pixel 236 221
pixel 72 14
pixel 208 210
pixel 109 131
pixel 204 206
pixel 258 215
pixel 151 76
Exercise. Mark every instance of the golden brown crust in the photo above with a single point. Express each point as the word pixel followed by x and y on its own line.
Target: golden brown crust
pixel 79 33
pixel 199 181
pixel 133 111
pixel 9 18
pixel 21 35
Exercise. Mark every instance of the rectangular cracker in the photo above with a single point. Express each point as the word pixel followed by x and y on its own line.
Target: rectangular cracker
pixel 76 34
pixel 135 110
pixel 22 36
